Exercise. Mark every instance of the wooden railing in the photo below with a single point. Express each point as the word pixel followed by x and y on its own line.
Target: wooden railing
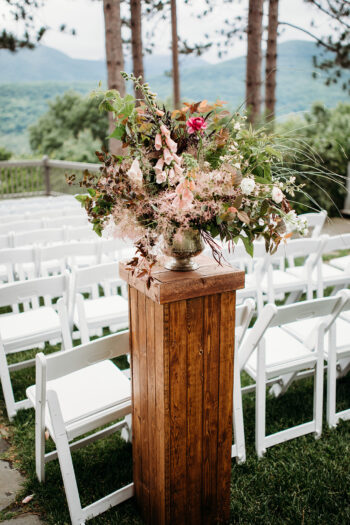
pixel 24 178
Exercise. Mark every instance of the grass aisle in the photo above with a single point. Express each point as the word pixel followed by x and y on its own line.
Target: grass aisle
pixel 303 481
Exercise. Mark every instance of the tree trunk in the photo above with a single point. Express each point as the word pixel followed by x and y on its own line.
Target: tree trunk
pixel 271 61
pixel 175 53
pixel 136 41
pixel 253 74
pixel 114 59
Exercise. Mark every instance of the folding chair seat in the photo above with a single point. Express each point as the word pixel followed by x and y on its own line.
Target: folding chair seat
pixel 91 315
pixel 77 392
pixel 342 263
pixel 269 353
pixel 32 327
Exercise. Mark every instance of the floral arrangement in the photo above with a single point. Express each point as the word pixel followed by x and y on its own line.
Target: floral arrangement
pixel 198 168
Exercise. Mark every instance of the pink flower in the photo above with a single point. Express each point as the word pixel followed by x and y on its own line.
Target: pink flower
pixel 158 141
pixel 164 130
pixel 167 156
pixel 135 173
pixel 158 168
pixel 178 170
pixel 171 175
pixel 183 200
pixel 160 113
pixel 171 144
pixel 161 177
pixel 177 159
pixel 196 124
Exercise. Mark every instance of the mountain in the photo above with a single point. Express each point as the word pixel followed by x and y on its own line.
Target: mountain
pixel 24 95
pixel 45 64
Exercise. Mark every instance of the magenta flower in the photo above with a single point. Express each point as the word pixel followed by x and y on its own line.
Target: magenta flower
pixel 195 124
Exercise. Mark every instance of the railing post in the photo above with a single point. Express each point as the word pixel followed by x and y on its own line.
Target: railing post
pixel 46 175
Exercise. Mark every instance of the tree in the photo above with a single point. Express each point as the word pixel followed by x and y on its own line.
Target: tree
pixel 70 124
pixel 336 43
pixel 175 56
pixel 136 40
pixel 253 72
pixel 23 11
pixel 114 58
pixel 271 61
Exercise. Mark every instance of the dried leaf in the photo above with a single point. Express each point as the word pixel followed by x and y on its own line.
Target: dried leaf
pixel 243 217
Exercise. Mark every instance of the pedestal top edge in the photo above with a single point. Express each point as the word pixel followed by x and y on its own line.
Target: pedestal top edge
pixel 170 286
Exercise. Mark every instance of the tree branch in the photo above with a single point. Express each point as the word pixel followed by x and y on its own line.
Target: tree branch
pixel 321 42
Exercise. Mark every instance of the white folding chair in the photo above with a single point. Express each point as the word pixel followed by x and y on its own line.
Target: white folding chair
pixel 67 220
pixel 244 315
pixel 337 272
pixel 57 258
pixel 80 233
pixel 20 226
pixel 38 237
pixel 115 250
pixel 32 327
pixel 296 279
pixel 90 315
pixel 315 222
pixel 18 264
pixel 76 392
pixel 268 352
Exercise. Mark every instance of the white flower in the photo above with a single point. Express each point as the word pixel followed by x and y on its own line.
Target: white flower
pixel 277 195
pixel 237 165
pixel 292 180
pixel 261 222
pixel 135 173
pixel 295 223
pixel 247 186
pixel 237 126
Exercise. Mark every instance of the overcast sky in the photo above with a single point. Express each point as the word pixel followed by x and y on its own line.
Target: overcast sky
pixel 86 17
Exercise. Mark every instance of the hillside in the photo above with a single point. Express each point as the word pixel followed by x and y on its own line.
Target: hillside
pixel 21 102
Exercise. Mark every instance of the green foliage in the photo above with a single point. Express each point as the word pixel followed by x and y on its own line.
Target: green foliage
pixel 5 154
pixel 73 128
pixel 323 142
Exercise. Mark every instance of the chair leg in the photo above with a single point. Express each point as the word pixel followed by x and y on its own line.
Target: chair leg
pixel 260 402
pixel 238 425
pixel 318 394
pixel 6 385
pixel 331 388
pixel 65 460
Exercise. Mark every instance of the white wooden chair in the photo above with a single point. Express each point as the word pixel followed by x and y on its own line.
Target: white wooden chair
pixel 57 258
pixel 76 392
pixel 90 315
pixel 296 279
pixel 69 221
pixel 337 273
pixel 268 352
pixel 116 250
pixel 315 221
pixel 244 315
pixel 20 226
pixel 18 264
pixel 32 327
pixel 80 233
pixel 45 236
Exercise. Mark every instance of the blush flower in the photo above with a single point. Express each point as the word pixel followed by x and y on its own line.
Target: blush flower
pixel 158 142
pixel 161 177
pixel 167 156
pixel 164 130
pixel 277 195
pixel 171 144
pixel 135 173
pixel 158 168
pixel 196 124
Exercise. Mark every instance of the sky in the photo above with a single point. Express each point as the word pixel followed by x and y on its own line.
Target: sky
pixel 86 17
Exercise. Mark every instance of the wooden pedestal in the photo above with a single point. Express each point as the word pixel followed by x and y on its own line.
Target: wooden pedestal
pixel 182 343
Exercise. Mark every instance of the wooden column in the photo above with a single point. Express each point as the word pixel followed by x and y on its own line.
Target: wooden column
pixel 182 343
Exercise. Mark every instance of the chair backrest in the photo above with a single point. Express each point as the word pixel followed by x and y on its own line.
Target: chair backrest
pixel 62 363
pixel 336 243
pixel 95 274
pixel 5 241
pixel 43 236
pixel 239 257
pixel 327 309
pixel 244 314
pixel 15 258
pixel 309 249
pixel 24 292
pixel 80 233
pixel 66 220
pixel 315 221
pixel 20 226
